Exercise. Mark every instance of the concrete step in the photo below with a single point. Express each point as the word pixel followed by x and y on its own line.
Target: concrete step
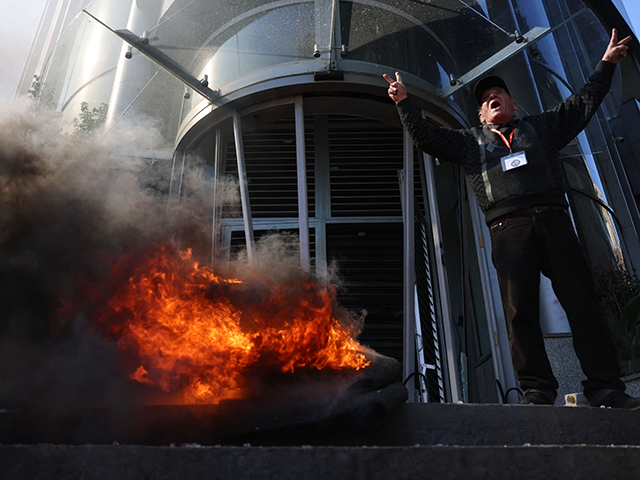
pixel 444 441
pixel 131 462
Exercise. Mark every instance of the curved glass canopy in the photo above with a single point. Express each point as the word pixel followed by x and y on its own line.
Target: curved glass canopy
pixel 163 57
pixel 438 41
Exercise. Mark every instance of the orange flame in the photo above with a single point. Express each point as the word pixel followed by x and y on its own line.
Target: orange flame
pixel 199 336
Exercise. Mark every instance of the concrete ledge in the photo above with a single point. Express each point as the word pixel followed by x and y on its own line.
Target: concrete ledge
pixel 49 462
pixel 451 424
pixel 409 424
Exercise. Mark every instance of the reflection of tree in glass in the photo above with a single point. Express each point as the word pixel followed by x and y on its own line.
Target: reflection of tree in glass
pixel 89 120
pixel 41 94
pixel 619 292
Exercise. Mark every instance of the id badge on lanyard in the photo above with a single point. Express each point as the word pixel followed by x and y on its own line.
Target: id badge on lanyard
pixel 514 160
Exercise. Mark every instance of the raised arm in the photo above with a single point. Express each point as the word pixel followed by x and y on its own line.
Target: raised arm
pixel 571 116
pixel 441 142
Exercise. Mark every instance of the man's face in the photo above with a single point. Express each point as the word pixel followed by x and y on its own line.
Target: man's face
pixel 497 107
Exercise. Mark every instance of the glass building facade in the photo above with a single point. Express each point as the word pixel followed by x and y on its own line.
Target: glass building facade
pixel 287 98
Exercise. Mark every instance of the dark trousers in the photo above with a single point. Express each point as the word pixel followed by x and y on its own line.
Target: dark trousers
pixel 522 247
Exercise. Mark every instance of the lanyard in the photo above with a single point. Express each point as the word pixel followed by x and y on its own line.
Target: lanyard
pixel 507 143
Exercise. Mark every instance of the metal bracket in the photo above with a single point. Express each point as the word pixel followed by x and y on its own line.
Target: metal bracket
pixel 142 45
pixel 519 44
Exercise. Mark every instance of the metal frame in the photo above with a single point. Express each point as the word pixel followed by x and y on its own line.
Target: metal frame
pixel 500 352
pixel 244 184
pixel 409 280
pixel 217 209
pixel 162 60
pixel 303 207
pixel 443 288
pixel 520 43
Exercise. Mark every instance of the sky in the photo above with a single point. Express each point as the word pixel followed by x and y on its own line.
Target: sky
pixel 633 9
pixel 19 21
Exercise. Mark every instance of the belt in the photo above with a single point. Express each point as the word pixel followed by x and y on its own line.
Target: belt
pixel 523 211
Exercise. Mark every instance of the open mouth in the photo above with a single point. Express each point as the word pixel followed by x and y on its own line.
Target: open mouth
pixel 494 104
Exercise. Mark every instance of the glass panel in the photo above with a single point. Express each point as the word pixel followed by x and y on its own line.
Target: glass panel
pixel 435 37
pixel 434 40
pixel 88 69
pixel 146 95
pixel 223 38
pixel 558 64
pixel 468 311
pixel 382 34
pixel 280 35
pixel 75 73
pixel 593 222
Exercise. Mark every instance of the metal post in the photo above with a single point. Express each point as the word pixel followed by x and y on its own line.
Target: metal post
pixel 217 205
pixel 303 207
pixel 244 185
pixel 422 364
pixel 177 173
pixel 409 345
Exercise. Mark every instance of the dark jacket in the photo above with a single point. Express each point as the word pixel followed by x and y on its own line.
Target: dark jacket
pixel 479 151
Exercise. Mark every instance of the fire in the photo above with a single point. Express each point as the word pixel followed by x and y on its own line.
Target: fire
pixel 198 336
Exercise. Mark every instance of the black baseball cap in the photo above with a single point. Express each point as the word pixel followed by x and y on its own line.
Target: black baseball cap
pixel 485 84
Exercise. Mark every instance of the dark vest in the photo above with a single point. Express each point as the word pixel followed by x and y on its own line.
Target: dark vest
pixel 517 187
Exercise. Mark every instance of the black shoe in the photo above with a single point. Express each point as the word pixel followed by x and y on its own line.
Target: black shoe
pixel 534 398
pixel 619 399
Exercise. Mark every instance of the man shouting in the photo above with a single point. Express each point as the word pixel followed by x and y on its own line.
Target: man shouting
pixel 514 169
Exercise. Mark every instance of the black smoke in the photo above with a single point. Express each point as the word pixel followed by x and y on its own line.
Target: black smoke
pixel 67 209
